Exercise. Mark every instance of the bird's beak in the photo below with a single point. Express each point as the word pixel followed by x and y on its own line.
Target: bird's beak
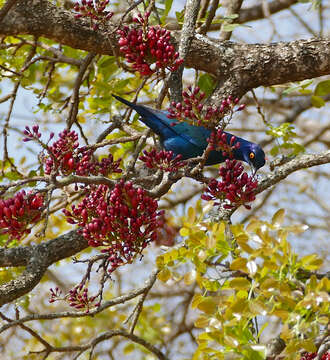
pixel 253 169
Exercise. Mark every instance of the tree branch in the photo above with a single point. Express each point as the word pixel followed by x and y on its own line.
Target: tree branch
pixel 37 259
pixel 298 163
pixel 187 34
pixel 77 314
pixel 265 65
pixel 6 7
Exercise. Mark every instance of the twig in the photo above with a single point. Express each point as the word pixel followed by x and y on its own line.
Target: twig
pixel 232 8
pixel 75 314
pixel 213 8
pixel 75 96
pixel 138 308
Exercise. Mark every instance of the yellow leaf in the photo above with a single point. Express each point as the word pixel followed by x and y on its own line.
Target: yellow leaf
pixel 230 341
pixel 184 232
pixel 239 264
pixel 257 308
pixel 160 262
pixel 164 275
pixel 282 314
pixel 308 345
pixel 129 348
pixel 191 215
pixel 202 321
pixel 196 300
pixel 207 305
pixel 311 262
pixel 240 283
pixel 269 284
pixel 253 225
pixel 211 242
pixel 297 229
pixel 271 265
pixel 242 242
pixel 239 306
pixel 278 218
pixel 189 277
pixel 324 285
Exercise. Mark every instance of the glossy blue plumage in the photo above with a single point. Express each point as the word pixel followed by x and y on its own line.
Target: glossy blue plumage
pixel 190 141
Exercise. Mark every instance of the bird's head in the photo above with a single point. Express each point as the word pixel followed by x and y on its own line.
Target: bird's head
pixel 254 156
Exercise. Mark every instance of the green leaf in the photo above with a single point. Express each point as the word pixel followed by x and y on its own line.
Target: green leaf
pixel 233 16
pixel 13 175
pixel 179 16
pixel 206 83
pixel 106 61
pixel 168 5
pixel 317 101
pixel 302 85
pixel 229 27
pixel 322 88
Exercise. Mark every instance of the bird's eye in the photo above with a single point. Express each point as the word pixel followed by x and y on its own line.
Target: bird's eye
pixel 251 155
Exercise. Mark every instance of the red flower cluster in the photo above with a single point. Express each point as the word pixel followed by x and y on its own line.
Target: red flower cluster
pixel 147 45
pixel 123 219
pixel 95 10
pixel 194 110
pixel 310 356
pixel 163 160
pixel 55 294
pixel 32 134
pixel 19 213
pixel 236 186
pixel 218 141
pixel 79 299
pixel 65 158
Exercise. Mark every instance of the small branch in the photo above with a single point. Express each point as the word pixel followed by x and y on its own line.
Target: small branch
pixel 138 308
pixel 67 314
pixel 232 8
pixel 213 8
pixel 75 96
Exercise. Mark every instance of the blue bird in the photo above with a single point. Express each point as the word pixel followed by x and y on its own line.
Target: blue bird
pixel 190 141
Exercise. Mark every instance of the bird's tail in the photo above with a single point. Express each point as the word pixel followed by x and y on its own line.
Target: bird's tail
pixel 152 118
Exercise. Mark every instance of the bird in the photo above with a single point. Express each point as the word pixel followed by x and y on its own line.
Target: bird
pixel 190 141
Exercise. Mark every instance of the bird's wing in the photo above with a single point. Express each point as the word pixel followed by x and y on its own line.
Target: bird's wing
pixel 158 121
pixel 196 135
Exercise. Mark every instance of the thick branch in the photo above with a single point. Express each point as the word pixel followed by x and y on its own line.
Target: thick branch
pixel 240 66
pixel 37 259
pixel 298 163
pixel 6 7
